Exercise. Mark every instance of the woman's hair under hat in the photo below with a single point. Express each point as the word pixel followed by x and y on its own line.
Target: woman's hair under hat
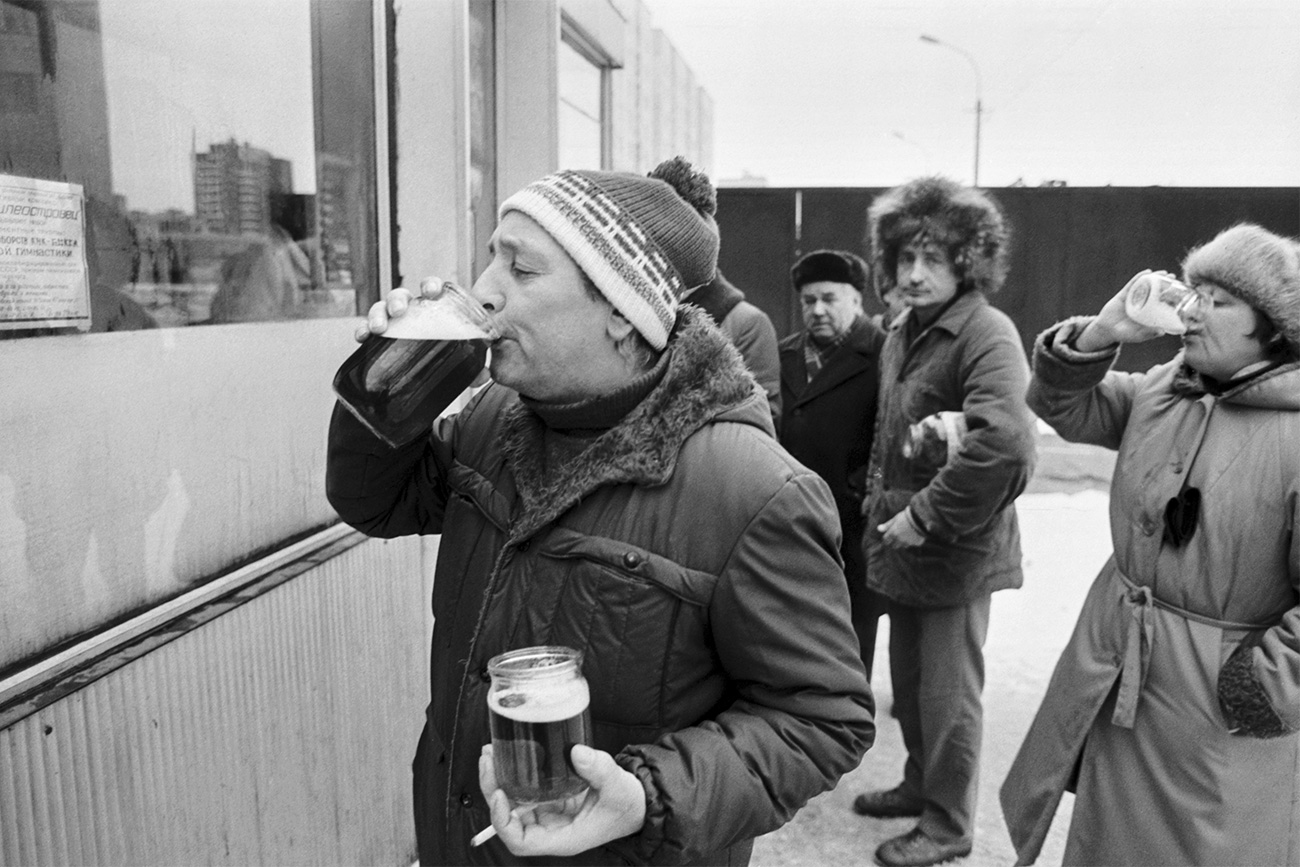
pixel 965 221
pixel 1259 267
pixel 642 240
pixel 831 266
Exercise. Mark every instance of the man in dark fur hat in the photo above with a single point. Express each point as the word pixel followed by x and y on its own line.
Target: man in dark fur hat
pixel 617 489
pixel 941 532
pixel 829 376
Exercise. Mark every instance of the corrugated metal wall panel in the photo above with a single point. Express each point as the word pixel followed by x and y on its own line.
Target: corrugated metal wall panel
pixel 1072 248
pixel 279 733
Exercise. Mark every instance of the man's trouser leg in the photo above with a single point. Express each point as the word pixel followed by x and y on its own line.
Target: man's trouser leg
pixel 936 661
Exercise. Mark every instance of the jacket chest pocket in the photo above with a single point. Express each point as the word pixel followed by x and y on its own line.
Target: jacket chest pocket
pixel 634 615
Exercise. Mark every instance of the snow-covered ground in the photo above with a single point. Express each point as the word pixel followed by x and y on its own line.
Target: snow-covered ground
pixel 1065 540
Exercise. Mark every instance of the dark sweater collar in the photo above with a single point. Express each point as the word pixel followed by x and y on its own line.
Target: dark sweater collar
pixel 603 412
pixel 703 377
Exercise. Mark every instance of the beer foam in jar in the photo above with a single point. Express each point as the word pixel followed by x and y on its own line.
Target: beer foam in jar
pixel 433 319
pixel 542 703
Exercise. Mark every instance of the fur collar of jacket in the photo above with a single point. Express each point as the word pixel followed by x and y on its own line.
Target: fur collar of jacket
pixel 705 378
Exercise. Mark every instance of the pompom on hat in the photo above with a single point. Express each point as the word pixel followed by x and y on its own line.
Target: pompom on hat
pixel 831 266
pixel 1259 267
pixel 644 241
pixel 965 221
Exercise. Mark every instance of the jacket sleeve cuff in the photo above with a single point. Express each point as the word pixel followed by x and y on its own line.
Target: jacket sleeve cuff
pixel 643 847
pixel 917 523
pixel 1243 700
pixel 1059 365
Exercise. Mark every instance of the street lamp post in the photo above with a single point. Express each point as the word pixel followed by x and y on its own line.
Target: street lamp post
pixel 979 91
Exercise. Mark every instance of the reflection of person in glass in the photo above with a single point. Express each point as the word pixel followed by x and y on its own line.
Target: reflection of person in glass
pixel 942 538
pixel 617 489
pixel 267 281
pixel 1174 712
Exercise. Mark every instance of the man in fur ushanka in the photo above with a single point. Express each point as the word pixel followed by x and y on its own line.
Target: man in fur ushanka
pixel 941 535
pixel 617 489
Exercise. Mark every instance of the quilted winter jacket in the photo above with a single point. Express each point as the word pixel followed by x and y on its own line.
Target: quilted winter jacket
pixel 689 557
pixel 969 360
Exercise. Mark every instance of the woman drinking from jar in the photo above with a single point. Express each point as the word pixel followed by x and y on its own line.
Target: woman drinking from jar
pixel 1173 711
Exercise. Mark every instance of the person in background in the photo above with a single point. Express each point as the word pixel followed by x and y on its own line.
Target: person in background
pixel 617 488
pixel 941 534
pixel 830 374
pixel 748 328
pixel 1174 711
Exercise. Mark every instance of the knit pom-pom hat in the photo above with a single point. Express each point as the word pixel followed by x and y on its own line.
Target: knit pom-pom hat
pixel 1258 267
pixel 966 221
pixel 642 240
pixel 831 266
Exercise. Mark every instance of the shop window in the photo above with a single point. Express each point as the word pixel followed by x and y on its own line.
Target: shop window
pixel 482 120
pixel 584 100
pixel 221 154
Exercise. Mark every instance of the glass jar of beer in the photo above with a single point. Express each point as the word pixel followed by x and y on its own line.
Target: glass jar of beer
pixel 935 439
pixel 398 382
pixel 1157 300
pixel 538 710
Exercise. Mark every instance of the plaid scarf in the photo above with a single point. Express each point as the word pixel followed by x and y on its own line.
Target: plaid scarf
pixel 815 357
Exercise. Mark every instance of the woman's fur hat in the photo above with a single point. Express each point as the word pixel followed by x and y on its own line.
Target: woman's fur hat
pixel 966 221
pixel 1258 267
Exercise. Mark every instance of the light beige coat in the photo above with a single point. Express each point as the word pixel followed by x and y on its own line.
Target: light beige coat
pixel 1133 706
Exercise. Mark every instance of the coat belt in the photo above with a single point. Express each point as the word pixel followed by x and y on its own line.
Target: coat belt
pixel 1139 600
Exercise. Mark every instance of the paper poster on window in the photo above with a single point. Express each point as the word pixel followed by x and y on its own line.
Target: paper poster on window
pixel 44 282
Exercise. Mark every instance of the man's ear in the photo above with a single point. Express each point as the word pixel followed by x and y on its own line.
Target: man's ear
pixel 618 327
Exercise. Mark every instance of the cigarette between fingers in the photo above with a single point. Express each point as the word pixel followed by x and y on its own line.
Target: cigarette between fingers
pixel 491 830
pixel 483 836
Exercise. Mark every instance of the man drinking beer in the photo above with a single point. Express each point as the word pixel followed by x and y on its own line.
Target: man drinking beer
pixel 617 489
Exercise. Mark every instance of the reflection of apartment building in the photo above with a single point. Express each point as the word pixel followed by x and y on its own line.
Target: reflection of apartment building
pixel 332 174
pixel 169 222
pixel 35 116
pixel 234 185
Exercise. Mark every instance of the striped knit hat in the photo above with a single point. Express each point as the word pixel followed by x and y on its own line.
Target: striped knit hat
pixel 643 241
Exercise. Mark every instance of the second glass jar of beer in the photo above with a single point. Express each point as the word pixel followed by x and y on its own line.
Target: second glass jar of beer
pixel 538 710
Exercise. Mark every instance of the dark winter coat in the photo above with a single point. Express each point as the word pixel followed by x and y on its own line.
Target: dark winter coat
pixel 686 554
pixel 1183 672
pixel 749 329
pixel 969 360
pixel 827 422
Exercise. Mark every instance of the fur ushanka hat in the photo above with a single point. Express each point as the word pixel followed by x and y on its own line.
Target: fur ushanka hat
pixel 1258 267
pixel 830 266
pixel 967 222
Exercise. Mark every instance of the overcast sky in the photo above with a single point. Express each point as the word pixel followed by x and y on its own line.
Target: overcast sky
pixel 1090 92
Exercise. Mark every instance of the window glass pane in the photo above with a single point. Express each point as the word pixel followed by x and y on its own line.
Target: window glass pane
pixel 580 110
pixel 482 119
pixel 225 149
